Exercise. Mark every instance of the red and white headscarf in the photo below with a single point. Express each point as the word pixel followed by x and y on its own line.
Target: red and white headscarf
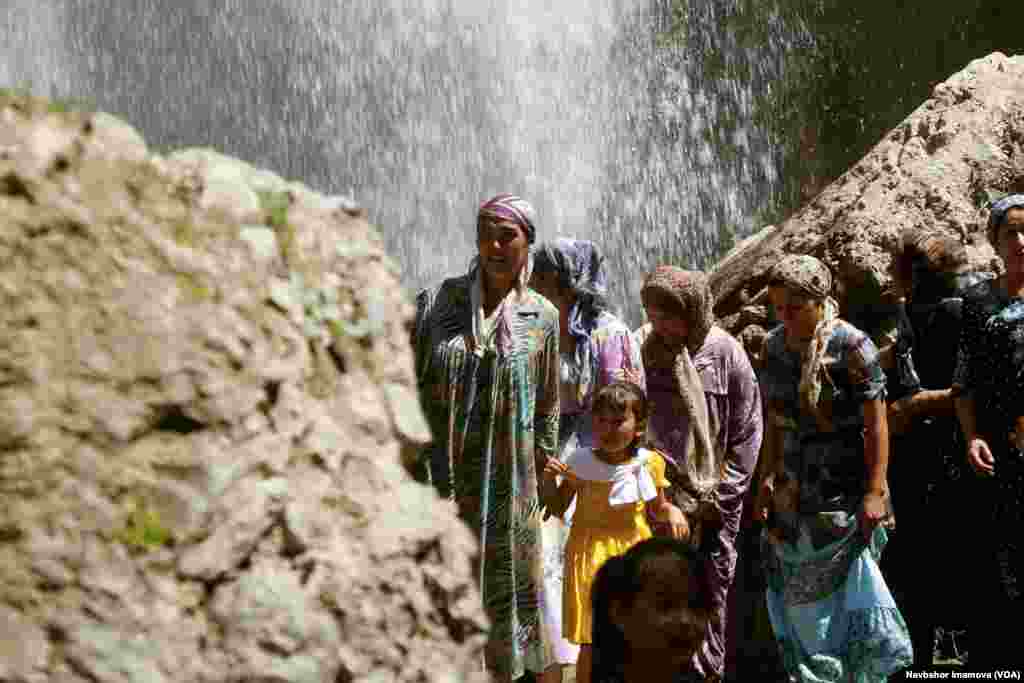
pixel 510 207
pixel 497 330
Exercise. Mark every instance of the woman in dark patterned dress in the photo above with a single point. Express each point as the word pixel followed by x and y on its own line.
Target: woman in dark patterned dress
pixel 927 471
pixel 824 492
pixel 989 386
pixel 486 350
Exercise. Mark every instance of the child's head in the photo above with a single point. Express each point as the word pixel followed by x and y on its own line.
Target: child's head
pixel 619 416
pixel 652 601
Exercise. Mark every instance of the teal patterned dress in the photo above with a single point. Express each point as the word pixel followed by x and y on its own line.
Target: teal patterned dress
pixel 492 412
pixel 833 615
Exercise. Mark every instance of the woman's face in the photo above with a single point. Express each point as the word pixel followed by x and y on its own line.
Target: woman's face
pixel 667 320
pixel 503 249
pixel 547 284
pixel 1011 241
pixel 799 312
pixel 668 617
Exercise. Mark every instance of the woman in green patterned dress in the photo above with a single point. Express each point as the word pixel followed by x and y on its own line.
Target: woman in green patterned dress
pixel 488 369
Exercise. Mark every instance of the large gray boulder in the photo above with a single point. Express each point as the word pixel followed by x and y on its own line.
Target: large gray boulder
pixel 206 395
pixel 938 170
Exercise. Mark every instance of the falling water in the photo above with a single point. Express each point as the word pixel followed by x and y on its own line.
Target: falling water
pixel 630 122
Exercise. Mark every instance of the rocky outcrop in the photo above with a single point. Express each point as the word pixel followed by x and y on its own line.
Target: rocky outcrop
pixel 938 170
pixel 206 393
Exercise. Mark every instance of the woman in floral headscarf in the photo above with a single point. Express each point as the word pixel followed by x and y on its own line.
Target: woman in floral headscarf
pixel 486 350
pixel 824 492
pixel 706 419
pixel 595 350
pixel 989 388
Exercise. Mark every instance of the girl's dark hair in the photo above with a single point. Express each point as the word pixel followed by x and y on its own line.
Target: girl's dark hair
pixel 621 579
pixel 621 395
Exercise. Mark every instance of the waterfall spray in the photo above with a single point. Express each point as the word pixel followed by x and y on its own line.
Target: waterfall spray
pixel 629 122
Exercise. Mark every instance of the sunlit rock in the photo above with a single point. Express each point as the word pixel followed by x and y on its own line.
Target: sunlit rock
pixel 202 477
pixel 938 170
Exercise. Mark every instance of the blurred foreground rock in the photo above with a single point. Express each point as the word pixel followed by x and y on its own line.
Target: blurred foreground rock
pixel 206 393
pixel 938 170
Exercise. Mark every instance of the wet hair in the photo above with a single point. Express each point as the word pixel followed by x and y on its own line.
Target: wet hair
pixel 622 579
pixel 928 261
pixel 620 395
pixel 937 252
pixel 656 298
pixel 548 260
pixel 998 213
pixel 589 287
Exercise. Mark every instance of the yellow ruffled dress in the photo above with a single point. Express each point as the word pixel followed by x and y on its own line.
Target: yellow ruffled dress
pixel 599 531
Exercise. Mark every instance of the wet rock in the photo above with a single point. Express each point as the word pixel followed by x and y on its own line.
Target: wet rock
pixel 24 647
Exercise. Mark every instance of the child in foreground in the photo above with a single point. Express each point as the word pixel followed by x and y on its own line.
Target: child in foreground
pixel 651 608
pixel 613 484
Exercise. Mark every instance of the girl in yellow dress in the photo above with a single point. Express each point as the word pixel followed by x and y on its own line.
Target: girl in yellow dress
pixel 613 485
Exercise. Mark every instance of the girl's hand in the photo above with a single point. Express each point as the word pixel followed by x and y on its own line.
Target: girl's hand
pixel 980 457
pixel 556 468
pixel 874 510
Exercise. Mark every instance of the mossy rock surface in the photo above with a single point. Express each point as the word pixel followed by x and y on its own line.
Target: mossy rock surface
pixel 202 478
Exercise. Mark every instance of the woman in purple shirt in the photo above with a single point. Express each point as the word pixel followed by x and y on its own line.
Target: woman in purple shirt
pixel 706 419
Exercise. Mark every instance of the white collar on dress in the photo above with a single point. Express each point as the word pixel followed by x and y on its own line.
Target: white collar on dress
pixel 631 480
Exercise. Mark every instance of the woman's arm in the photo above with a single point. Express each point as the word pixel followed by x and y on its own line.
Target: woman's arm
pixel 664 511
pixel 767 467
pixel 876 445
pixel 925 403
pixel 745 427
pixel 874 508
pixel 978 453
pixel 546 415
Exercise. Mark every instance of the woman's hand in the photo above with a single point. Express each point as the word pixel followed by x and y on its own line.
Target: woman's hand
pixel 671 515
pixel 763 499
pixel 979 456
pixel 873 511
